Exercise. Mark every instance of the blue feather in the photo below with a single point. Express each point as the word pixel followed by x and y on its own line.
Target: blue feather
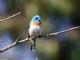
pixel 36 18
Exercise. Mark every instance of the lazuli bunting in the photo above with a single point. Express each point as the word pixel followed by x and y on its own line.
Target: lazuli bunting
pixel 34 30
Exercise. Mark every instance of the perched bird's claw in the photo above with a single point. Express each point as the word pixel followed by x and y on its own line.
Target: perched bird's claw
pixel 39 36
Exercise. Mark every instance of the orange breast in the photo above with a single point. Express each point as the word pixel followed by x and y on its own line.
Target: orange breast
pixel 36 23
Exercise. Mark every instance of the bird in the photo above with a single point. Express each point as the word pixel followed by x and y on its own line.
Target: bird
pixel 35 29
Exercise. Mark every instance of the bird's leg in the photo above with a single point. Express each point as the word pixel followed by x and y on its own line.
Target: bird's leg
pixel 39 36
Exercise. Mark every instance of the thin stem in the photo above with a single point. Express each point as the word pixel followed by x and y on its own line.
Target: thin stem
pixel 10 17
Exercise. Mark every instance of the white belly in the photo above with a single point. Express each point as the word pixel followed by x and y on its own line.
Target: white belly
pixel 34 31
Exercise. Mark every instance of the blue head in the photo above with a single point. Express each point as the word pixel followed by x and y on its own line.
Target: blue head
pixel 36 18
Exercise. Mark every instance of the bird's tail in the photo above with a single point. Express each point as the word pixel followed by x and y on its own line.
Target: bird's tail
pixel 33 44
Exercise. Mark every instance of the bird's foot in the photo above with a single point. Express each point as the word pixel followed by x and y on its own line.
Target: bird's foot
pixel 39 36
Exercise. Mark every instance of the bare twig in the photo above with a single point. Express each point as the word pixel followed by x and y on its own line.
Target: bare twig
pixel 23 40
pixel 20 41
pixel 56 33
pixel 10 17
pixel 9 46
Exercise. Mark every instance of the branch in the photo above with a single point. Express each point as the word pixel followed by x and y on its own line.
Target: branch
pixel 56 33
pixel 20 41
pixel 10 17
pixel 53 34
pixel 10 46
pixel 26 39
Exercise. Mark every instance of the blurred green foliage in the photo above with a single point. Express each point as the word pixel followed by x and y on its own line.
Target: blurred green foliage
pixel 47 49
